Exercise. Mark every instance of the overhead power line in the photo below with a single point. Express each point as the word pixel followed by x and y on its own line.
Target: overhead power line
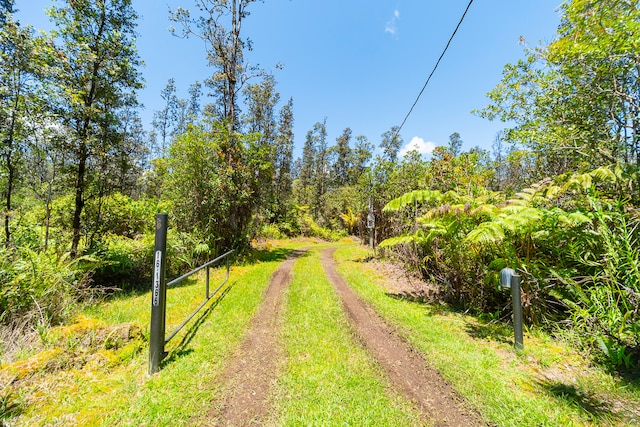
pixel 435 67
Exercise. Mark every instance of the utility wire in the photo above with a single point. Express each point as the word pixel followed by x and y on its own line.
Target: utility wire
pixel 435 67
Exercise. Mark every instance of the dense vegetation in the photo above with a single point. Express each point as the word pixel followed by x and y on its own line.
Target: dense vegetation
pixel 556 199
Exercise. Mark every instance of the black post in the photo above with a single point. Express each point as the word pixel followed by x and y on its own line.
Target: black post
pixel 158 296
pixel 517 311
pixel 207 284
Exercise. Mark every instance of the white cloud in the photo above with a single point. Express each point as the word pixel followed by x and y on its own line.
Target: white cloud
pixel 418 144
pixel 391 26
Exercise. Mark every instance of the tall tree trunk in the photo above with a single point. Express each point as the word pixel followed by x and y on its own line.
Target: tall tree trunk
pixel 11 174
pixel 7 214
pixel 79 201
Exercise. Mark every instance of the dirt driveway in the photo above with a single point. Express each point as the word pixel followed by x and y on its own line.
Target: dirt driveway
pixel 254 370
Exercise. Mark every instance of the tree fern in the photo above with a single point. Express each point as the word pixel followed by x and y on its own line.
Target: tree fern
pixel 412 197
pixel 484 210
pixel 487 232
pixel 604 174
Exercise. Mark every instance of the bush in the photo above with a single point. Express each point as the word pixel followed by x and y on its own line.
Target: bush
pixel 309 228
pixel 127 264
pixel 270 231
pixel 575 249
pixel 42 285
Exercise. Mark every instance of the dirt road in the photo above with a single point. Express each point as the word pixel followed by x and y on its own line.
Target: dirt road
pixel 254 369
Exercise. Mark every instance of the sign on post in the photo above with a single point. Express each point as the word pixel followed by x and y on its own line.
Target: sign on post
pixel 158 296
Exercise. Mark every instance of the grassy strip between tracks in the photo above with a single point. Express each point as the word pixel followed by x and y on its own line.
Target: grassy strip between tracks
pixel 73 382
pixel 547 384
pixel 329 379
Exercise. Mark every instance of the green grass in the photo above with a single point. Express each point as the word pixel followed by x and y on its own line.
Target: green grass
pixel 329 379
pixel 115 390
pixel 547 384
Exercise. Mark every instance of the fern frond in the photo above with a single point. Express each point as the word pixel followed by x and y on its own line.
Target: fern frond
pixel 604 174
pixel 486 232
pixel 553 191
pixel 398 240
pixel 434 226
pixel 412 197
pixel 419 238
pixel 517 202
pixel 576 218
pixel 451 197
pixel 581 181
pixel 519 220
pixel 484 209
pixel 512 208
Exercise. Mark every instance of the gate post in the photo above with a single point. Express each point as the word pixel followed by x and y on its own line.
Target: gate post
pixel 158 295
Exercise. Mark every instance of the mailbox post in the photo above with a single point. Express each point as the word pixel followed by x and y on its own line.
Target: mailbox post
pixel 371 225
pixel 509 279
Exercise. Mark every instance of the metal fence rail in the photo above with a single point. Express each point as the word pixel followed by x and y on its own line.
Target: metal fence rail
pixel 157 338
pixel 208 295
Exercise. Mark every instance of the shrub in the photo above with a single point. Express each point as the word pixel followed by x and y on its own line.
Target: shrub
pixel 270 231
pixel 42 285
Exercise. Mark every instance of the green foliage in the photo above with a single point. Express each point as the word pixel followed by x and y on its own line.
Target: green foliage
pixel 120 215
pixel 350 219
pixel 573 101
pixel 413 197
pixel 270 231
pixel 309 228
pixel 604 298
pixel 574 248
pixel 10 406
pixel 215 184
pixel 42 285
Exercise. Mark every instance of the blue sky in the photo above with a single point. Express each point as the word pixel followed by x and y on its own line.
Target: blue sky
pixel 359 63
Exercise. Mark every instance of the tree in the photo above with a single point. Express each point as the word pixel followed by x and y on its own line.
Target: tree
pixel 455 144
pixel 283 158
pixel 195 92
pixel 390 144
pixel 19 65
pixel 165 119
pixel 574 102
pixel 307 163
pixel 260 116
pixel 361 156
pixel 343 158
pixel 211 195
pixel 97 76
pixel 6 8
pixel 321 173
pixel 220 27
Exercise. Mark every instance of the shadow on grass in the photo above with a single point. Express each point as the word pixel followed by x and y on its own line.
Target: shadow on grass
pixel 181 349
pixel 599 409
pixel 410 297
pixel 265 255
pixel 492 331
pixel 426 303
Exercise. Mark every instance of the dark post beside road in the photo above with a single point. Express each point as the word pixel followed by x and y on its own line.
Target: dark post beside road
pixel 509 279
pixel 158 295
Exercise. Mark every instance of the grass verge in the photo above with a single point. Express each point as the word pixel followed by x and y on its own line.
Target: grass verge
pixel 94 371
pixel 329 379
pixel 547 384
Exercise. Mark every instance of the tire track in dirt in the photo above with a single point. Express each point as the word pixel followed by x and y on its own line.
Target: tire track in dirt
pixel 253 370
pixel 408 372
